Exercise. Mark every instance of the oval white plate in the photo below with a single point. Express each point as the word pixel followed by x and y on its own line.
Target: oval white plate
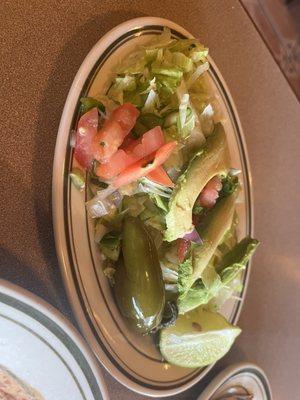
pixel 42 348
pixel 131 359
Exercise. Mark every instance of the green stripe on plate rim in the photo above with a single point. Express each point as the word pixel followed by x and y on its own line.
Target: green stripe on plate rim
pixel 66 340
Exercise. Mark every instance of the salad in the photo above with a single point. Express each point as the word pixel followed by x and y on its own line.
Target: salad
pixel 154 160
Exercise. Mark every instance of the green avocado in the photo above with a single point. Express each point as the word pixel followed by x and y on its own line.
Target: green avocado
pixel 213 228
pixel 215 225
pixel 212 159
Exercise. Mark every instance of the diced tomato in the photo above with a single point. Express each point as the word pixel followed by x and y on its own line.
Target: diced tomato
pixel 159 175
pixel 86 130
pixel 107 141
pixel 151 141
pixel 164 153
pixel 210 193
pixel 144 166
pixel 126 115
pixel 117 163
pixel 132 151
pixel 183 248
pixel 116 128
pixel 128 142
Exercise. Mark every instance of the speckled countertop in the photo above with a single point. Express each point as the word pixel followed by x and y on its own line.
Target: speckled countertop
pixel 42 46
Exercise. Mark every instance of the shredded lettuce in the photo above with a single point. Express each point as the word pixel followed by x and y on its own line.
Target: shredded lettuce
pixel 120 85
pixel 198 72
pixel 145 122
pixel 148 186
pixel 206 120
pixel 110 245
pixel 179 124
pixel 99 231
pixel 134 205
pixel 77 178
pixel 186 120
pixel 105 202
pixel 149 77
pixel 199 53
pixel 163 40
pixel 161 202
pixel 229 185
pixel 170 274
pixel 182 61
pixel 113 221
pixel 183 106
pixel 153 216
pixel 151 103
pixel 87 103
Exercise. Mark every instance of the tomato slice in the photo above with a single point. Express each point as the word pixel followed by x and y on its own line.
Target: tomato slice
pixel 128 142
pixel 159 175
pixel 86 130
pixel 131 151
pixel 151 141
pixel 116 128
pixel 183 247
pixel 117 163
pixel 142 167
pixel 126 115
pixel 107 141
pixel 210 193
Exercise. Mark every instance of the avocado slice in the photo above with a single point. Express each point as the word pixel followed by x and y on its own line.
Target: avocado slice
pixel 217 222
pixel 212 159
pixel 222 275
pixel 214 227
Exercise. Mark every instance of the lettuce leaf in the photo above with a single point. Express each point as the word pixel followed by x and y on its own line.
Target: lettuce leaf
pixel 197 73
pixel 229 184
pixel 198 53
pixel 151 103
pixel 186 120
pixel 87 103
pixel 77 178
pixel 134 205
pixel 110 245
pixel 145 122
pixel 206 120
pixel 182 61
pixel 153 216
pixel 120 85
pixel 161 202
pixel 113 221
pixel 148 186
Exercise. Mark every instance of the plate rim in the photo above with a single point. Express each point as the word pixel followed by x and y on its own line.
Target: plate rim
pixel 57 195
pixel 27 298
pixel 229 372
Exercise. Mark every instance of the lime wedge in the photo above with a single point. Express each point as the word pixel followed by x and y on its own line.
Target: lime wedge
pixel 197 339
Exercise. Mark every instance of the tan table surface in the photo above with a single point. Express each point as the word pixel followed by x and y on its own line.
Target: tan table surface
pixel 43 44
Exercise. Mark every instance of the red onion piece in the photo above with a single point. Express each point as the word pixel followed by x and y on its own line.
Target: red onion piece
pixel 193 237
